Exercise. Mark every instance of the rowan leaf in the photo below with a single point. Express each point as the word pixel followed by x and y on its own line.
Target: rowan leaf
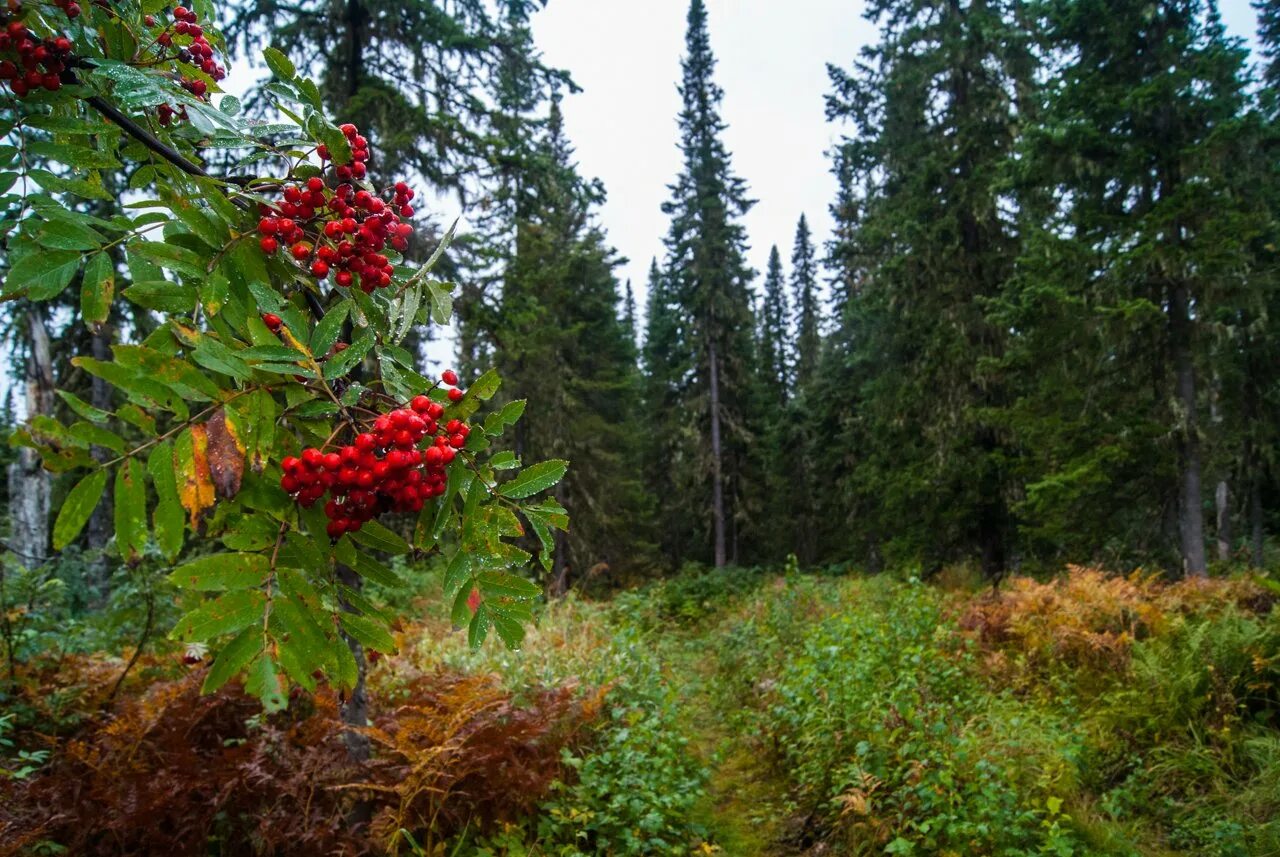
pixel 535 478
pixel 76 509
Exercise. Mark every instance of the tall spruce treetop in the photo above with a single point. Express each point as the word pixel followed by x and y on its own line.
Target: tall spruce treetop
pixel 773 325
pixel 709 278
pixel 1269 37
pixel 804 290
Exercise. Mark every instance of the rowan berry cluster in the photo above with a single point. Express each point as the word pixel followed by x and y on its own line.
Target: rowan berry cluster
pixel 340 229
pixel 386 468
pixel 197 53
pixel 31 63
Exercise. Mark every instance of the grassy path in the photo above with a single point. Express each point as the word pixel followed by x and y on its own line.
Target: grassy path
pixel 745 807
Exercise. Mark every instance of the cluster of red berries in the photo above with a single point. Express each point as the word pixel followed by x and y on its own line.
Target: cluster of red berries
pixel 383 469
pixel 197 52
pixel 340 229
pixel 37 63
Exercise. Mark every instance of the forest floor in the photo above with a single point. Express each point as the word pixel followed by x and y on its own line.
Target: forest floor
pixel 745 805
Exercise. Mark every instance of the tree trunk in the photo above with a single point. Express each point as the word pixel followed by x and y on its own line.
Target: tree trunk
pixel 1255 516
pixel 717 485
pixel 355 708
pixel 29 485
pixel 1191 513
pixel 1222 522
pixel 98 530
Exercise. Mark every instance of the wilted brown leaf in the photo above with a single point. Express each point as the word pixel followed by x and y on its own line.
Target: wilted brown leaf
pixel 226 455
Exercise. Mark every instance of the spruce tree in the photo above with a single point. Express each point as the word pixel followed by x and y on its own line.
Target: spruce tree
pixel 710 285
pixel 1145 243
pixel 774 318
pixel 560 336
pixel 668 461
pixel 415 76
pixel 804 290
pixel 934 105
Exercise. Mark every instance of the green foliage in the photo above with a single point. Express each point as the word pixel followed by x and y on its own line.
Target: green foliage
pixel 213 399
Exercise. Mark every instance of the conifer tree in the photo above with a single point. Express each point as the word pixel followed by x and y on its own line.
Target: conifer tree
pixel 1145 244
pixel 667 457
pixel 413 75
pixel 804 290
pixel 709 280
pixel 934 104
pixel 774 346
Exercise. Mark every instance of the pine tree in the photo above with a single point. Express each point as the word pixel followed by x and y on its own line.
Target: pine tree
pixel 774 345
pixel 709 280
pixel 804 290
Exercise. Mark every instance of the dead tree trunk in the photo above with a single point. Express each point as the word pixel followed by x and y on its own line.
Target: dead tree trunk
pixel 1190 512
pixel 29 485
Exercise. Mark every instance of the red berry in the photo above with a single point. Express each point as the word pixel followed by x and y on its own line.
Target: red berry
pixel 301 250
pixel 319 269
pixel 455 395
pixel 269 245
pixel 272 321
pixel 450 377
pixel 268 225
pixel 421 404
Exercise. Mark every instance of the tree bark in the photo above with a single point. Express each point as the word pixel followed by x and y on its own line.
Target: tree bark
pixel 717 483
pixel 1255 516
pixel 29 485
pixel 1191 513
pixel 1222 522
pixel 98 530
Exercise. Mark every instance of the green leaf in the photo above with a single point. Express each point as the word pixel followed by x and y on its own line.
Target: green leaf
pixel 168 519
pixel 263 681
pixel 83 408
pixel 76 509
pixel 533 479
pixel 171 256
pixel 378 537
pixel 460 614
pixel 226 614
pixel 162 296
pixel 340 364
pixel 233 658
pixel 367 632
pixel 223 571
pixel 68 235
pixel 329 327
pixel 504 460
pixel 42 275
pixel 97 288
pixel 497 422
pixel 130 504
pixel 458 571
pixel 280 65
pixel 498 584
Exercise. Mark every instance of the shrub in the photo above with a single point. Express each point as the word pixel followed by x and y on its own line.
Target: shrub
pixel 175 772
